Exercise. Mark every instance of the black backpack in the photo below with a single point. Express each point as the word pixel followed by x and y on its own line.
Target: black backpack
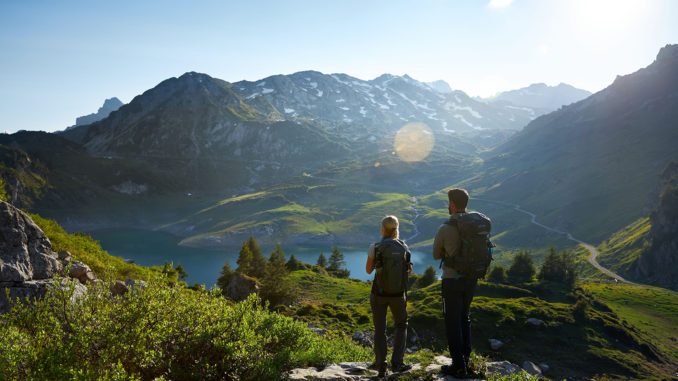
pixel 474 257
pixel 392 260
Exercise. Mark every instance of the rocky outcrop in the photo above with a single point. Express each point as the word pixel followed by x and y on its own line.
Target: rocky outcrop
pixel 658 264
pixel 361 371
pixel 25 252
pixel 27 262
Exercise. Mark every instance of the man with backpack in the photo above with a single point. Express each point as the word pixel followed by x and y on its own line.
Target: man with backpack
pixel 463 246
pixel 391 259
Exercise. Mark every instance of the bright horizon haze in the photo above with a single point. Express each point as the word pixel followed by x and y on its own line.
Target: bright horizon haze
pixel 61 60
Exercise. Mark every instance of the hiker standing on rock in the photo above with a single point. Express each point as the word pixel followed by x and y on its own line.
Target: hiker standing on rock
pixel 462 243
pixel 391 259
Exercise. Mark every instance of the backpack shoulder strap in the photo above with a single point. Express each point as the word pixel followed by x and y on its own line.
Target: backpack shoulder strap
pixel 402 244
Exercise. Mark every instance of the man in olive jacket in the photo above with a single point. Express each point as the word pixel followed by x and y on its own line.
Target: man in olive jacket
pixel 457 290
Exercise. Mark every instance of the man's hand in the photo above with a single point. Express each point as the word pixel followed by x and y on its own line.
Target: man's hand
pixel 409 269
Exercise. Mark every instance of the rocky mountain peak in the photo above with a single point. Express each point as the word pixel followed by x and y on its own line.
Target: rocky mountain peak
pixel 110 105
pixel 668 54
pixel 440 86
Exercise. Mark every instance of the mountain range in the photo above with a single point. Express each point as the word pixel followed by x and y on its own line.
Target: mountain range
pixel 539 97
pixel 310 157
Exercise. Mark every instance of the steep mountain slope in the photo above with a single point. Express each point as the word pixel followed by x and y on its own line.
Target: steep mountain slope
pixel 540 98
pixel 197 128
pixel 658 261
pixel 588 167
pixel 22 180
pixel 59 179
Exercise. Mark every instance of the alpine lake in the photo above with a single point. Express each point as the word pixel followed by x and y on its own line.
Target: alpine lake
pixel 203 265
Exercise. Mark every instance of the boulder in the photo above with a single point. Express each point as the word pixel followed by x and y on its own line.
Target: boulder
pixel 25 252
pixel 503 368
pixel 118 288
pixel 78 269
pixel 135 284
pixel 535 322
pixel 495 344
pixel 35 289
pixel 81 272
pixel 531 368
pixel 364 338
pixel 65 256
pixel 338 372
pixel 241 286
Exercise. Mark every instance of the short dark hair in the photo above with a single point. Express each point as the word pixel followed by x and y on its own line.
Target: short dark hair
pixel 459 197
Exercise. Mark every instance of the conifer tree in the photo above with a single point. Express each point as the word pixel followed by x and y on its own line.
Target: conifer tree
pixel 225 277
pixel 322 261
pixel 181 273
pixel 336 259
pixel 276 285
pixel 294 264
pixel 244 260
pixel 558 268
pixel 522 268
pixel 258 260
pixel 428 278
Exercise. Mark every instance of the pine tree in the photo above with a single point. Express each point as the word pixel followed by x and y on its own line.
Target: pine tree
pixel 276 285
pixel 336 260
pixel 245 260
pixel 558 268
pixel 322 261
pixel 428 278
pixel 522 268
pixel 181 273
pixel 294 264
pixel 258 260
pixel 225 277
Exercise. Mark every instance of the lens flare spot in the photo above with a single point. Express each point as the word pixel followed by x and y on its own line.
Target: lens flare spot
pixel 414 142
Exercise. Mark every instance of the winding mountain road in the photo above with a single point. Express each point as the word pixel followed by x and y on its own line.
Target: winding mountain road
pixel 587 246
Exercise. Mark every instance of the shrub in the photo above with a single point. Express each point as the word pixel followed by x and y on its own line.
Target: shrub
pixel 497 274
pixel 158 331
pixel 428 278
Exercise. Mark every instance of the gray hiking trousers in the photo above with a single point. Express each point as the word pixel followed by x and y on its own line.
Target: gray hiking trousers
pixel 398 305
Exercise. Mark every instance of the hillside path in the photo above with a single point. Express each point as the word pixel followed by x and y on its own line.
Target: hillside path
pixel 592 249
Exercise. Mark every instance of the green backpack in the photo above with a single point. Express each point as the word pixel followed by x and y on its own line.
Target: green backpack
pixel 475 254
pixel 392 260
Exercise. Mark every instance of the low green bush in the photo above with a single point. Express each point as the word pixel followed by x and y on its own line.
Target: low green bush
pixel 158 332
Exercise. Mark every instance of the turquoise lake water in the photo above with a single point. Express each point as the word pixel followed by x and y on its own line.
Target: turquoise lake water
pixel 148 248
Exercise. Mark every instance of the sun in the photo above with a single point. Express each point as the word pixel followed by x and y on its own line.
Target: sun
pixel 604 18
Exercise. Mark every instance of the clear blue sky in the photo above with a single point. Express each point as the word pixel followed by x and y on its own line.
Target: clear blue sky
pixel 61 59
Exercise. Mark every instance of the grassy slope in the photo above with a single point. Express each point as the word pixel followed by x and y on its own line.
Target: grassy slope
pixel 609 340
pixel 653 313
pixel 624 247
pixel 325 210
pixel 84 249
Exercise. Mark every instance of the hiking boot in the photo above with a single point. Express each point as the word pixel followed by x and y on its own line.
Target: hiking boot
pixel 454 371
pixel 379 368
pixel 401 368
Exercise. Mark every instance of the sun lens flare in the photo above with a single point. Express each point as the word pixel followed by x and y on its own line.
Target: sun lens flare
pixel 414 142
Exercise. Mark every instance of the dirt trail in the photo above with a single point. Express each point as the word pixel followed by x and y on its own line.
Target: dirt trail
pixel 592 249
